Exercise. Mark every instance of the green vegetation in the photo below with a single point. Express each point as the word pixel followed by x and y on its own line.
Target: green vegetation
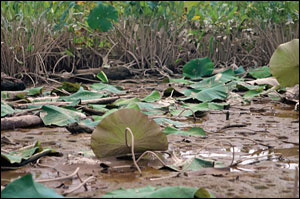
pixel 42 38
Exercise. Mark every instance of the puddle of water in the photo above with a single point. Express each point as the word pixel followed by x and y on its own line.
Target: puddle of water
pixel 283 114
pixel 133 175
pixel 254 155
pixel 8 176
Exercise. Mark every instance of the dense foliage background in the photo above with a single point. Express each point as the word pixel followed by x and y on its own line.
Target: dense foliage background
pixel 39 38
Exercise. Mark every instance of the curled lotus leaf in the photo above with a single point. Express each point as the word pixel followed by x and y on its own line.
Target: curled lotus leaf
pixel 284 63
pixel 108 139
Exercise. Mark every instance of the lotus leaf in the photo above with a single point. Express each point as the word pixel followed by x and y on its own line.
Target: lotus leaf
pixel 284 63
pixel 198 68
pixel 26 187
pixel 108 139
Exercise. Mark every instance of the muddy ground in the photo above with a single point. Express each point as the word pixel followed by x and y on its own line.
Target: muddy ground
pixel 271 126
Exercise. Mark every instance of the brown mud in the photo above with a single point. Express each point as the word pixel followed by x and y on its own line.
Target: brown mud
pixel 271 128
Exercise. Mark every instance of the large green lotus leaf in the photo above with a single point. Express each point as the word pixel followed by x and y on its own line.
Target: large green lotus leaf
pixel 82 94
pixel 153 192
pixel 198 68
pixel 209 94
pixel 102 16
pixel 284 63
pixel 220 78
pixel 59 116
pixel 26 187
pixel 108 139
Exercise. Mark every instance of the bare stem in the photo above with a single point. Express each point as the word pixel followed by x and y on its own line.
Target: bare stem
pixel 61 178
pixel 80 185
pixel 132 148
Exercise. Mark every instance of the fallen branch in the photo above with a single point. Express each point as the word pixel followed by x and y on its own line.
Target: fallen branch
pixel 20 122
pixel 106 100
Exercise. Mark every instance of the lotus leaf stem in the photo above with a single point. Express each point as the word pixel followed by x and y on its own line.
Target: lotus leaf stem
pixel 132 148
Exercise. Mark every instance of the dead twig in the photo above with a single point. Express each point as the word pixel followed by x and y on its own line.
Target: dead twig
pixel 60 178
pixel 80 185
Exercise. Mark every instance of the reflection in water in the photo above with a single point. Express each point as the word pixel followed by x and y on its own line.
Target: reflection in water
pixel 250 156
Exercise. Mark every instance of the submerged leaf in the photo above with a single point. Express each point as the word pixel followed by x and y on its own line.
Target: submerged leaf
pixel 108 139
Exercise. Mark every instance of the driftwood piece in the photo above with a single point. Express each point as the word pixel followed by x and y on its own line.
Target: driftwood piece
pixel 9 83
pixel 12 95
pixel 112 73
pixel 20 122
pixel 106 100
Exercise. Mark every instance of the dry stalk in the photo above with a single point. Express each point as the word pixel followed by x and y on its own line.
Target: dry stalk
pixel 132 148
pixel 60 178
pixel 80 185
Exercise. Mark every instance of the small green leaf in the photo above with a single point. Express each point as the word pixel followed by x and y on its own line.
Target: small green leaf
pixel 240 70
pixel 102 76
pixel 261 72
pixel 6 109
pixel 195 131
pixel 35 91
pixel 121 102
pixel 252 93
pixel 152 97
pixel 107 87
pixel 163 121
